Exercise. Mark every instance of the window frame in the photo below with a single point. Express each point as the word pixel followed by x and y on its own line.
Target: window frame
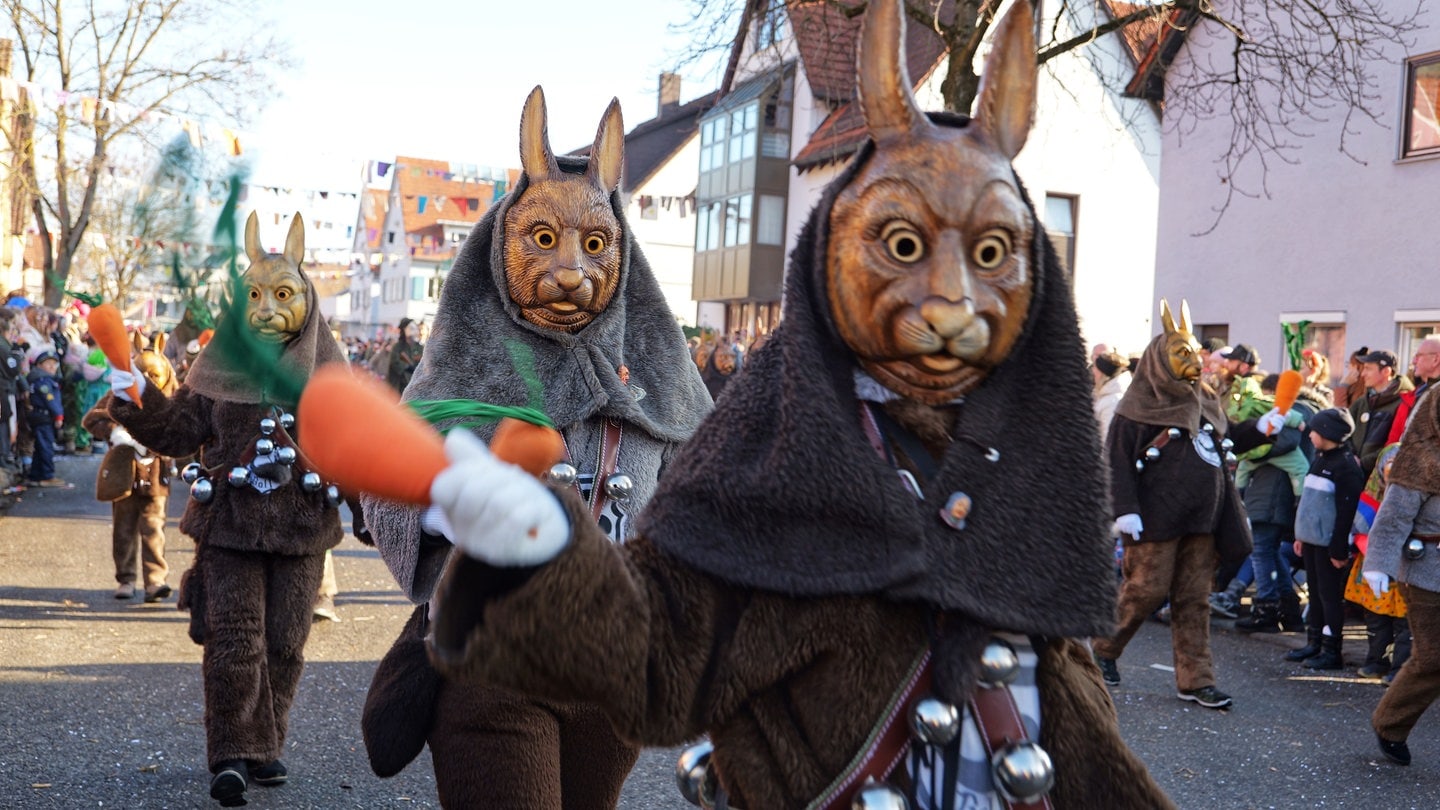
pixel 1407 112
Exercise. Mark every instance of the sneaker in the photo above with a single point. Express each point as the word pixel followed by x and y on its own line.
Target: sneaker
pixel 126 590
pixel 54 483
pixel 324 610
pixel 269 775
pixel 1387 679
pixel 158 592
pixel 1109 671
pixel 1396 752
pixel 1222 604
pixel 1207 696
pixel 1372 672
pixel 228 784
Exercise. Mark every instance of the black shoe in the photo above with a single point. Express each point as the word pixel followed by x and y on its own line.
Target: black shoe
pixel 1108 670
pixel 1207 696
pixel 269 775
pixel 1311 648
pixel 1396 752
pixel 228 784
pixel 1264 618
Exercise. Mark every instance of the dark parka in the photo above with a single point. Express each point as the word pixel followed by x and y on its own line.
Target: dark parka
pixel 1373 415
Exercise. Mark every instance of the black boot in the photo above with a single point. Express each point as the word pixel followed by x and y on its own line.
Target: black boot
pixel 1329 657
pixel 1311 648
pixel 1264 618
pixel 1291 619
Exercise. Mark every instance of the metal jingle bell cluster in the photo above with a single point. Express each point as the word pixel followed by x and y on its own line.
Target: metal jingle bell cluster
pixel 618 486
pixel 202 490
pixel 1152 453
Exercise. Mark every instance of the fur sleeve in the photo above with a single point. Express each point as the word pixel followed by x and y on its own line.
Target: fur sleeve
pixel 622 626
pixel 171 426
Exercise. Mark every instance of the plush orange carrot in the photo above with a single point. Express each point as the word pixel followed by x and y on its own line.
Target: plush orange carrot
pixel 205 337
pixel 1286 390
pixel 108 328
pixel 358 435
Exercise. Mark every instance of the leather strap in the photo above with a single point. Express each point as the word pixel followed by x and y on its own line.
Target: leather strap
pixel 609 456
pixel 886 746
pixel 998 719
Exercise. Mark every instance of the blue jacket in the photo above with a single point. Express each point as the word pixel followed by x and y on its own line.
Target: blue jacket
pixel 45 402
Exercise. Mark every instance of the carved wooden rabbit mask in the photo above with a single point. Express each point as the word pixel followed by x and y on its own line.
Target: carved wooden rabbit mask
pixel 562 239
pixel 275 306
pixel 150 360
pixel 928 266
pixel 1182 350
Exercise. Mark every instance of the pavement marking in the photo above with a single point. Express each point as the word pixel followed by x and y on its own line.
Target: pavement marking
pixel 1162 667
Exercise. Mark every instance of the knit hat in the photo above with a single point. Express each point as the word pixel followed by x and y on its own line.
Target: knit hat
pixel 1334 424
pixel 1212 345
pixel 1111 363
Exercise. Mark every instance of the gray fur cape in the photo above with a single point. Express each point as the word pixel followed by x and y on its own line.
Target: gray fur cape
pixel 466 358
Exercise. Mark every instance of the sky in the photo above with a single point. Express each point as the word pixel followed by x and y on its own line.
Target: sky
pixel 446 80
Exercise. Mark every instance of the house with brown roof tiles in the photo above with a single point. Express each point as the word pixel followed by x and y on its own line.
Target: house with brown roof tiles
pixel 407 236
pixel 786 124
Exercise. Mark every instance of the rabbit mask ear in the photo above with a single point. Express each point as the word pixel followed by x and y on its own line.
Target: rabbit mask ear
pixel 607 156
pixel 886 102
pixel 535 156
pixel 295 241
pixel 1005 104
pixel 252 239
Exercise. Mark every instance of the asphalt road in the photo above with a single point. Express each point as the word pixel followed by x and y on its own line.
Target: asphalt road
pixel 101 706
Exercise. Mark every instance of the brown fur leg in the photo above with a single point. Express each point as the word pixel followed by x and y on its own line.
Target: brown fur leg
pixel 151 530
pixel 494 749
pixel 290 591
pixel 124 538
pixel 594 761
pixel 239 723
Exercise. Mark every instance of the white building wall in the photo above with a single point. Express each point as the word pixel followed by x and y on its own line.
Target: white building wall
pixel 1353 239
pixel 668 241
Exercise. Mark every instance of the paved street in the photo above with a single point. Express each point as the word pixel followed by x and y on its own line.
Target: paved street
pixel 100 700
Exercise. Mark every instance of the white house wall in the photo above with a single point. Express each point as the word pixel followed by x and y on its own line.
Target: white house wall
pixel 668 241
pixel 1333 236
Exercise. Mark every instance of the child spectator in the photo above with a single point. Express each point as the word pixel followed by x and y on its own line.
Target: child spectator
pixel 1322 535
pixel 46 418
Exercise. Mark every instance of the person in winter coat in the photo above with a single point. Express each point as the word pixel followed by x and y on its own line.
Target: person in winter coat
pixel 1112 377
pixel 1322 536
pixel 552 272
pixel 1175 506
pixel 46 416
pixel 1374 413
pixel 136 483
pixel 1405 549
pixel 404 355
pixel 261 524
pixel 803 619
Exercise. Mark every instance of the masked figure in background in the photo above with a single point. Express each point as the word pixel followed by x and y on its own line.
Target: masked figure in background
pixel 1176 507
pixel 136 482
pixel 724 361
pixel 553 269
pixel 261 521
pixel 811 620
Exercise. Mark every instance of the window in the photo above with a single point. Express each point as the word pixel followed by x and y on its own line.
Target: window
pixel 1061 212
pixel 1422 107
pixel 1411 334
pixel 770 27
pixel 737 220
pixel 417 289
pixel 770 223
pixel 743 123
pixel 712 215
pixel 712 143
pixel 1329 340
pixel 390 237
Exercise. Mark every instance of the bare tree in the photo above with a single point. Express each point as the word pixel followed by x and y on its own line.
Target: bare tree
pixel 115 68
pixel 1290 62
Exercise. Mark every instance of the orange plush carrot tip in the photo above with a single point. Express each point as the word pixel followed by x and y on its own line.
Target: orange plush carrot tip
pixel 1286 390
pixel 108 328
pixel 358 435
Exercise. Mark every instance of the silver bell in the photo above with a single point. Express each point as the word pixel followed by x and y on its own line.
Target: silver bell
pixel 1173 433
pixel 1207 428
pixel 692 774
pixel 1231 458
pixel 191 473
pixel 1023 772
pixel 879 796
pixel 1139 465
pixel 1226 444
pixel 999 663
pixel 562 474
pixel 1414 548
pixel 934 721
pixel 287 421
pixel 619 486
pixel 285 455
pixel 332 495
pixel 264 447
pixel 310 482
pixel 267 426
pixel 1152 454
pixel 202 490
pixel 238 477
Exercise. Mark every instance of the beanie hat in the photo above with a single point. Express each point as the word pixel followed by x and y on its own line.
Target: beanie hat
pixel 1111 363
pixel 1333 423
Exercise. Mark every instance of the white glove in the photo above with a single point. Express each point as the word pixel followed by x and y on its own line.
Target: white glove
pixel 497 512
pixel 1271 422
pixel 1379 582
pixel 433 521
pixel 1129 524
pixel 120 382
pixel 120 436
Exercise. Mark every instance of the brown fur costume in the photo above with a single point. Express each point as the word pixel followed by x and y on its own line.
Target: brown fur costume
pixel 258 556
pixel 138 517
pixel 784 578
